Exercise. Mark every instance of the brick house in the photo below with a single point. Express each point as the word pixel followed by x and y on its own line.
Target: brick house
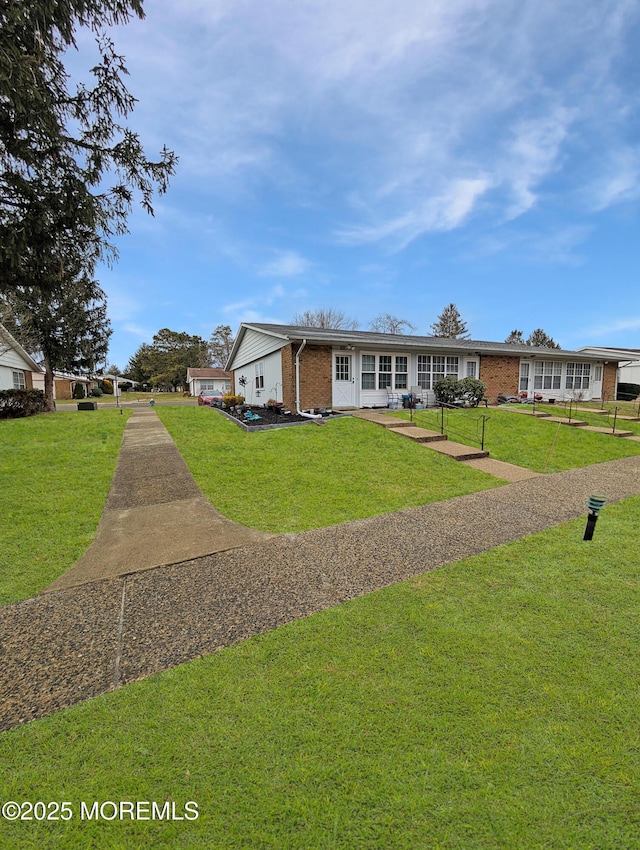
pixel 317 368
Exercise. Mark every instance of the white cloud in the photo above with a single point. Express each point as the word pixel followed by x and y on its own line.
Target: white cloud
pixel 285 264
pixel 611 328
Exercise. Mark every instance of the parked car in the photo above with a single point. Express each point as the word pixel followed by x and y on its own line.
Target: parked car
pixel 210 397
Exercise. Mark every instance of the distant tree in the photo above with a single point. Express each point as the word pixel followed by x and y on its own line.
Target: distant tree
pixel 450 324
pixel 540 339
pixel 220 345
pixel 65 328
pixel 112 369
pixel 515 338
pixel 385 323
pixel 324 317
pixel 164 363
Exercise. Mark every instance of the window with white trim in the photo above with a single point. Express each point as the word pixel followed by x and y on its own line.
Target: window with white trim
pixel 207 385
pixel 384 371
pixel 401 373
pixel 578 375
pixel 260 375
pixel 18 381
pixel 431 368
pixel 547 375
pixel 343 367
pixel 472 369
pixel 523 386
pixel 368 372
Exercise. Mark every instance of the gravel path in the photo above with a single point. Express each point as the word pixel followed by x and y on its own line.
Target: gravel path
pixel 72 644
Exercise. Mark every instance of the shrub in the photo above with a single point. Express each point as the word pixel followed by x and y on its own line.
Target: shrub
pixel 96 392
pixel 230 400
pixel 472 390
pixel 17 403
pixel 627 392
pixel 106 386
pixel 447 390
pixel 78 391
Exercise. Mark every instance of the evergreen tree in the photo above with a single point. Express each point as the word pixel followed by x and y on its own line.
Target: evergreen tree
pixel 69 167
pixel 515 338
pixel 164 363
pixel 540 339
pixel 65 329
pixel 450 324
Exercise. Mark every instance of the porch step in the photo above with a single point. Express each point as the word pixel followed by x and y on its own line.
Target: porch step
pixel 420 435
pixel 456 450
pixel 384 419
pixel 574 423
pixel 629 418
pixel 607 431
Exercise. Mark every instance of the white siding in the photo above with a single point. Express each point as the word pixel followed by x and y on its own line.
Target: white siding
pixel 255 346
pixel 6 377
pixel 629 374
pixel 272 372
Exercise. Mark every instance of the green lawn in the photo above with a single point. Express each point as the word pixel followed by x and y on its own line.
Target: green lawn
pixel 56 470
pixel 492 703
pixel 298 478
pixel 533 443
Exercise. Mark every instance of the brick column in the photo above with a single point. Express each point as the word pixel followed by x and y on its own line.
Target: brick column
pixel 501 374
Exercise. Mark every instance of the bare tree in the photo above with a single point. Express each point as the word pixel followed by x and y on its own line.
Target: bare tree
pixel 325 317
pixel 385 323
pixel 221 345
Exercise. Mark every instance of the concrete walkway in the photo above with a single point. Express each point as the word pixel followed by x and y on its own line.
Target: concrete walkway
pixel 88 638
pixel 155 514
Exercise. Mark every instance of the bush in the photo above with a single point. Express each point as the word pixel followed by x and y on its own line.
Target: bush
pixel 17 403
pixel 96 392
pixel 472 390
pixel 78 391
pixel 627 392
pixel 447 390
pixel 230 400
pixel 106 386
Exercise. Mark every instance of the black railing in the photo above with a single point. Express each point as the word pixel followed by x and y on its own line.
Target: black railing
pixel 439 420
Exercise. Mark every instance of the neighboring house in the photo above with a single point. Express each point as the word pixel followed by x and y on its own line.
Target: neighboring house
pixel 64 384
pixel 17 367
pixel 318 368
pixel 208 379
pixel 628 365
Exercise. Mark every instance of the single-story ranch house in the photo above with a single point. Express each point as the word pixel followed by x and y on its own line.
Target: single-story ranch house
pixel 317 368
pixel 208 379
pixel 16 365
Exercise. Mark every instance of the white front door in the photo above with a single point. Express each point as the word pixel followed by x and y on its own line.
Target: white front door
pixel 343 381
pixel 596 383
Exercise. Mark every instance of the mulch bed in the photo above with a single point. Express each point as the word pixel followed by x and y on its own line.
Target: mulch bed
pixel 268 418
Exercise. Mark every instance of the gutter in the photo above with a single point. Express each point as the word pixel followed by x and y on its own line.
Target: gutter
pixel 298 411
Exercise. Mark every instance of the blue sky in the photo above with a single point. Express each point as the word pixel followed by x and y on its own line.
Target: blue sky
pixel 386 156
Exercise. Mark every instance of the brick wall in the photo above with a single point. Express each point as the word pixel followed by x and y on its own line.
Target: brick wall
pixel 315 376
pixel 501 374
pixel 63 388
pixel 609 381
pixel 28 380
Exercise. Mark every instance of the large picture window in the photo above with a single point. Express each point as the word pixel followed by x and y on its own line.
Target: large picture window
pixel 384 371
pixel 578 375
pixel 547 375
pixel 431 368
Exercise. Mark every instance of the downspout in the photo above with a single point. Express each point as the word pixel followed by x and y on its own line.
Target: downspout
pixel 298 411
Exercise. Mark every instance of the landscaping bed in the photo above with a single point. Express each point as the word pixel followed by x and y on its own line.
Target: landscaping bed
pixel 265 418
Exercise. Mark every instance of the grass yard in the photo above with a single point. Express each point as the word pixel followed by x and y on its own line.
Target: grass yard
pixel 297 478
pixel 526 441
pixel 492 703
pixel 56 470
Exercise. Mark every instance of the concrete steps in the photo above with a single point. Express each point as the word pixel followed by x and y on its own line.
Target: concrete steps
pixel 457 451
pixel 572 423
pixel 609 431
pixel 420 435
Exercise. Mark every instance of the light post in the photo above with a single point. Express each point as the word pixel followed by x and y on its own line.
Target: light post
pixel 595 504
